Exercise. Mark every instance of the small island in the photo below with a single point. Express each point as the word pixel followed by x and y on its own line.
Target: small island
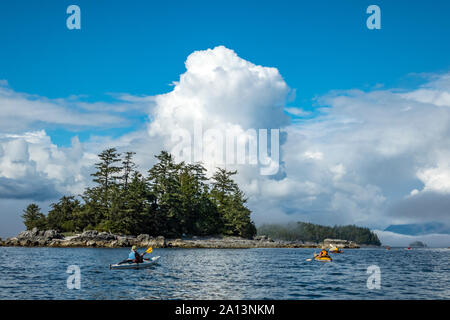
pixel 173 205
pixel 171 200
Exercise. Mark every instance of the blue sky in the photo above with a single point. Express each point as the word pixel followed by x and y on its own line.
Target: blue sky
pixel 141 48
pixel 365 113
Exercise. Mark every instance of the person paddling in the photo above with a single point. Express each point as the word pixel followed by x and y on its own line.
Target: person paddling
pixel 135 256
pixel 323 253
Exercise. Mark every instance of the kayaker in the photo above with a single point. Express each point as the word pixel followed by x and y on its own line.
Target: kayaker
pixel 323 253
pixel 135 256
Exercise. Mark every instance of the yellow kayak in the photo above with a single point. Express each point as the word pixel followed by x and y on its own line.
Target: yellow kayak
pixel 324 259
pixel 337 251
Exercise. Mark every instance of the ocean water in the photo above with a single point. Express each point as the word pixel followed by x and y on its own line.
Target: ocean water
pixel 41 273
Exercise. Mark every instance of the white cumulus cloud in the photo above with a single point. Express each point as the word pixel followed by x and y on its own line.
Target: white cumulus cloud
pixel 222 92
pixel 30 165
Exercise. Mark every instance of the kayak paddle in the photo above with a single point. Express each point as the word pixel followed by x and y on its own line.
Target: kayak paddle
pixel 148 250
pixel 311 259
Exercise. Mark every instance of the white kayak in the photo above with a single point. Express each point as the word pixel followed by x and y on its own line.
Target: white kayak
pixel 131 265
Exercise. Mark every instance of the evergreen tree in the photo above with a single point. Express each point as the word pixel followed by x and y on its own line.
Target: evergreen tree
pixel 198 215
pixel 230 202
pixel 34 218
pixel 128 167
pixel 107 174
pixel 138 207
pixel 62 216
pixel 93 210
pixel 164 184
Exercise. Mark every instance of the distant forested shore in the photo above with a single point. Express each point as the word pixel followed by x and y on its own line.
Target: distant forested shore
pixel 309 232
pixel 171 200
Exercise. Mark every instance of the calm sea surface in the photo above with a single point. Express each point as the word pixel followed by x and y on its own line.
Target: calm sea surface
pixel 41 273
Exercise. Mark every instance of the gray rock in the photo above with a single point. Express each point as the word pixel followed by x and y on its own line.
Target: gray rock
pixel 89 234
pixel 113 244
pixel 55 243
pixel 91 243
pixel 143 238
pixel 105 236
pixel 24 235
pixel 160 241
pixel 12 242
pixel 123 242
pixel 37 238
pixel 34 232
pixel 52 234
pixel 340 243
pixel 26 243
pixel 260 238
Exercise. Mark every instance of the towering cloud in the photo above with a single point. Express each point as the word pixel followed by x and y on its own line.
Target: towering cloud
pixel 222 92
pixel 220 88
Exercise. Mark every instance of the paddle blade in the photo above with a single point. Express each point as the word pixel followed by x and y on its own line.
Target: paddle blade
pixel 149 250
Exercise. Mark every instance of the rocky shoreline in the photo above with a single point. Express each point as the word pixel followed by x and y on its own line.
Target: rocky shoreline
pixel 94 239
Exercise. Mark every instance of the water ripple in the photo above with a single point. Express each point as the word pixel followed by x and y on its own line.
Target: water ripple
pixel 40 273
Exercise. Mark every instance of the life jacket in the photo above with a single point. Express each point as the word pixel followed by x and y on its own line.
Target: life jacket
pixel 138 258
pixel 135 257
pixel 132 255
pixel 323 253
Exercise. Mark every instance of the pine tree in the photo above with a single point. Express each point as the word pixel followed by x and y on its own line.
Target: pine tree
pixel 138 207
pixel 34 218
pixel 106 174
pixel 164 183
pixel 198 215
pixel 230 202
pixel 63 214
pixel 128 167
pixel 106 177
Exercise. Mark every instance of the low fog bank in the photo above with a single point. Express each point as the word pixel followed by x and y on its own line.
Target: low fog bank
pixel 401 240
